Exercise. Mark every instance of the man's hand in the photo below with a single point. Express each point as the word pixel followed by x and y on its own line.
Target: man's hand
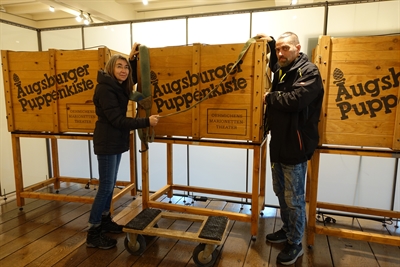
pixel 265 97
pixel 264 36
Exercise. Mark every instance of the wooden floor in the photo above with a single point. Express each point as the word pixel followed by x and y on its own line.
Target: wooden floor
pixel 50 233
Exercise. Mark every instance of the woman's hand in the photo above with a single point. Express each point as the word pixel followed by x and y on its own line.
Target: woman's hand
pixel 134 52
pixel 154 120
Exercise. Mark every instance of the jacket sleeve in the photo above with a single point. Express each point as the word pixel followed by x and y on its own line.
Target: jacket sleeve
pixel 306 87
pixel 273 59
pixel 110 105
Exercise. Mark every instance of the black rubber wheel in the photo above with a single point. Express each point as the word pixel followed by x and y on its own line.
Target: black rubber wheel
pixel 198 256
pixel 135 249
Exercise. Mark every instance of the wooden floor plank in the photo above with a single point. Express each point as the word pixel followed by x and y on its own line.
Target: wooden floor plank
pixel 13 211
pixel 260 251
pixel 50 233
pixel 388 256
pixel 84 256
pixel 348 252
pixel 237 242
pixel 46 237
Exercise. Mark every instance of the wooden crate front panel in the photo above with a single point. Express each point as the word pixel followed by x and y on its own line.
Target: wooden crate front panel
pixel 182 76
pixel 52 91
pixel 361 98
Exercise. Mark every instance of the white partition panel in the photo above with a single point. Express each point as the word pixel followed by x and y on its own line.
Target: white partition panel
pixel 308 25
pixel 366 19
pixel 160 33
pixel 219 168
pixel 65 39
pixel 115 37
pixel 396 191
pixel 225 29
pixel 34 161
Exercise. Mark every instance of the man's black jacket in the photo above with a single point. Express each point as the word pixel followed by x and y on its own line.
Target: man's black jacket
pixel 293 110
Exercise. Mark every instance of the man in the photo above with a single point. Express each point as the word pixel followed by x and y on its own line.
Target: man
pixel 293 106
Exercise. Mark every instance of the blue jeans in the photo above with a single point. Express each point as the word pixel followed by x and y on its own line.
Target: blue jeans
pixel 108 170
pixel 288 184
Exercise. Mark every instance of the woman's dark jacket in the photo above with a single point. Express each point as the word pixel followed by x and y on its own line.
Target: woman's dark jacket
pixel 111 133
pixel 293 110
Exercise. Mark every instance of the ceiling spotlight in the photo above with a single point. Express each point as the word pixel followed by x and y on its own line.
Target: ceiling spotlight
pixel 51 9
pixel 79 18
pixel 90 18
pixel 87 19
pixel 145 2
pixel 293 2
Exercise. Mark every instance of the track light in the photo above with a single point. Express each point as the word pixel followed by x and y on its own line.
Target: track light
pixel 87 19
pixel 79 18
pixel 90 18
pixel 293 2
pixel 51 9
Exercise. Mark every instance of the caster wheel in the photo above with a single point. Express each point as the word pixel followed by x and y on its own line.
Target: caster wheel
pixel 135 249
pixel 253 238
pixel 198 257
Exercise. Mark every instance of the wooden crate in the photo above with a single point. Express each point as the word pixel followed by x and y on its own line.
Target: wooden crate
pixel 360 117
pixel 181 76
pixel 361 77
pixel 52 91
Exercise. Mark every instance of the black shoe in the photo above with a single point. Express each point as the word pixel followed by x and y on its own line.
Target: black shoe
pixel 290 254
pixel 96 239
pixel 109 226
pixel 277 237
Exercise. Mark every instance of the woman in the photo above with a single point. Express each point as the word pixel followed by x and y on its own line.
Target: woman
pixel 111 139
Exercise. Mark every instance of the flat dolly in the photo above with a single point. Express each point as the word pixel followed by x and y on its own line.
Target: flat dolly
pixel 210 234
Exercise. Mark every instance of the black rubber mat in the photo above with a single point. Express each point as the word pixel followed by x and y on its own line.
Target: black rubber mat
pixel 143 219
pixel 214 228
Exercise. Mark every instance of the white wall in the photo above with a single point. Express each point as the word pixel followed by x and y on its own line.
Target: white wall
pixel 343 179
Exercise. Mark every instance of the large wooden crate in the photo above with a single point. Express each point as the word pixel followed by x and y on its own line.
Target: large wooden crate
pixel 181 76
pixel 362 76
pixel 360 117
pixel 52 91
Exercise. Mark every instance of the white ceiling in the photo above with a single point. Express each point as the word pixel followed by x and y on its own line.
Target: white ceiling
pixel 35 13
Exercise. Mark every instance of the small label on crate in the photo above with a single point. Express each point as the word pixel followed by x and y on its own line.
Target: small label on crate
pixel 81 116
pixel 227 121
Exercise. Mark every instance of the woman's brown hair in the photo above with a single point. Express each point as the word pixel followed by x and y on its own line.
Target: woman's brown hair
pixel 109 69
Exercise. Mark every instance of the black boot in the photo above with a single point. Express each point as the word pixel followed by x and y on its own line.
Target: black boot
pixel 109 226
pixel 96 239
